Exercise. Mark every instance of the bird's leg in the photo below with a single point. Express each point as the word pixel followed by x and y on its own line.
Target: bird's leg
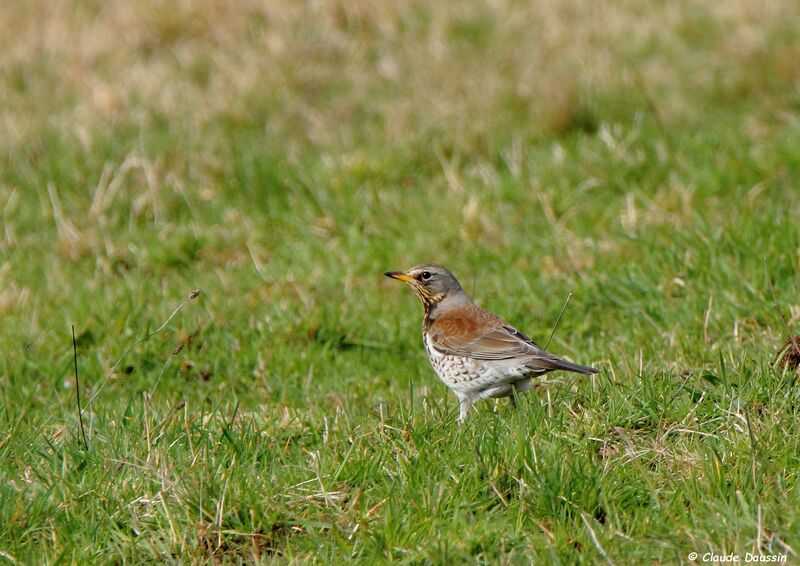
pixel 518 388
pixel 464 403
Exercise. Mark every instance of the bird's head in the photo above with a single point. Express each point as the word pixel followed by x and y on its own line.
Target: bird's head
pixel 431 283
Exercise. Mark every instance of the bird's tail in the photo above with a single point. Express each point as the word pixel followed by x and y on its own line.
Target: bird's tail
pixel 555 363
pixel 569 366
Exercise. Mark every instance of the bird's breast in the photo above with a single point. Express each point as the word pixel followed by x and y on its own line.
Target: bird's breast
pixel 430 348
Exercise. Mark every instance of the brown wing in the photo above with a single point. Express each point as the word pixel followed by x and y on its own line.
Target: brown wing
pixel 472 332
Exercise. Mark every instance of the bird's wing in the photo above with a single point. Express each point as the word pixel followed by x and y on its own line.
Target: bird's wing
pixel 475 333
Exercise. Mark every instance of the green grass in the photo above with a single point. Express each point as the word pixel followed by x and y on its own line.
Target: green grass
pixel 280 159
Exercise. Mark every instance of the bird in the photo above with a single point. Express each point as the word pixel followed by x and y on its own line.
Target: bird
pixel 475 353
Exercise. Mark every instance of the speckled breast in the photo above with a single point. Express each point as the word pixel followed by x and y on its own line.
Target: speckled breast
pixel 467 374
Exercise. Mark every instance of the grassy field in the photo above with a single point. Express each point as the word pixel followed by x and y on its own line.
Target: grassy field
pixel 644 156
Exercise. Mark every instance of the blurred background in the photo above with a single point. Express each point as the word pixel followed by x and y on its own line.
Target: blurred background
pixel 281 156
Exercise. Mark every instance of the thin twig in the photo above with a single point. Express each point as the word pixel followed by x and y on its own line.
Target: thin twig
pixel 78 388
pixel 193 295
pixel 173 353
pixel 677 391
pixel 558 320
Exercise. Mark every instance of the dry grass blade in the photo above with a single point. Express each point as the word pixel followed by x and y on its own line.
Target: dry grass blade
pixel 193 295
pixel 558 320
pixel 595 540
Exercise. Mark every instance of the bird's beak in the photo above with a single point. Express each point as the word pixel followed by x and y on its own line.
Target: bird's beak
pixel 400 276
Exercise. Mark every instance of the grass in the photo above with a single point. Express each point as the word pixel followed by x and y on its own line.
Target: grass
pixel 643 156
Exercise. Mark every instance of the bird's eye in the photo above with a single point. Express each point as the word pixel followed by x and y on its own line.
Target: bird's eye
pixel 426 275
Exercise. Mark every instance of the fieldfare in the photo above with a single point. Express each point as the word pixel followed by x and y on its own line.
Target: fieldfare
pixel 475 353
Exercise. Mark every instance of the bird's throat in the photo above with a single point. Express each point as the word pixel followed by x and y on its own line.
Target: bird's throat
pixel 429 301
pixel 431 306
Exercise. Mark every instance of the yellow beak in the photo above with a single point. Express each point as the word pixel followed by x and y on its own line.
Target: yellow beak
pixel 400 276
